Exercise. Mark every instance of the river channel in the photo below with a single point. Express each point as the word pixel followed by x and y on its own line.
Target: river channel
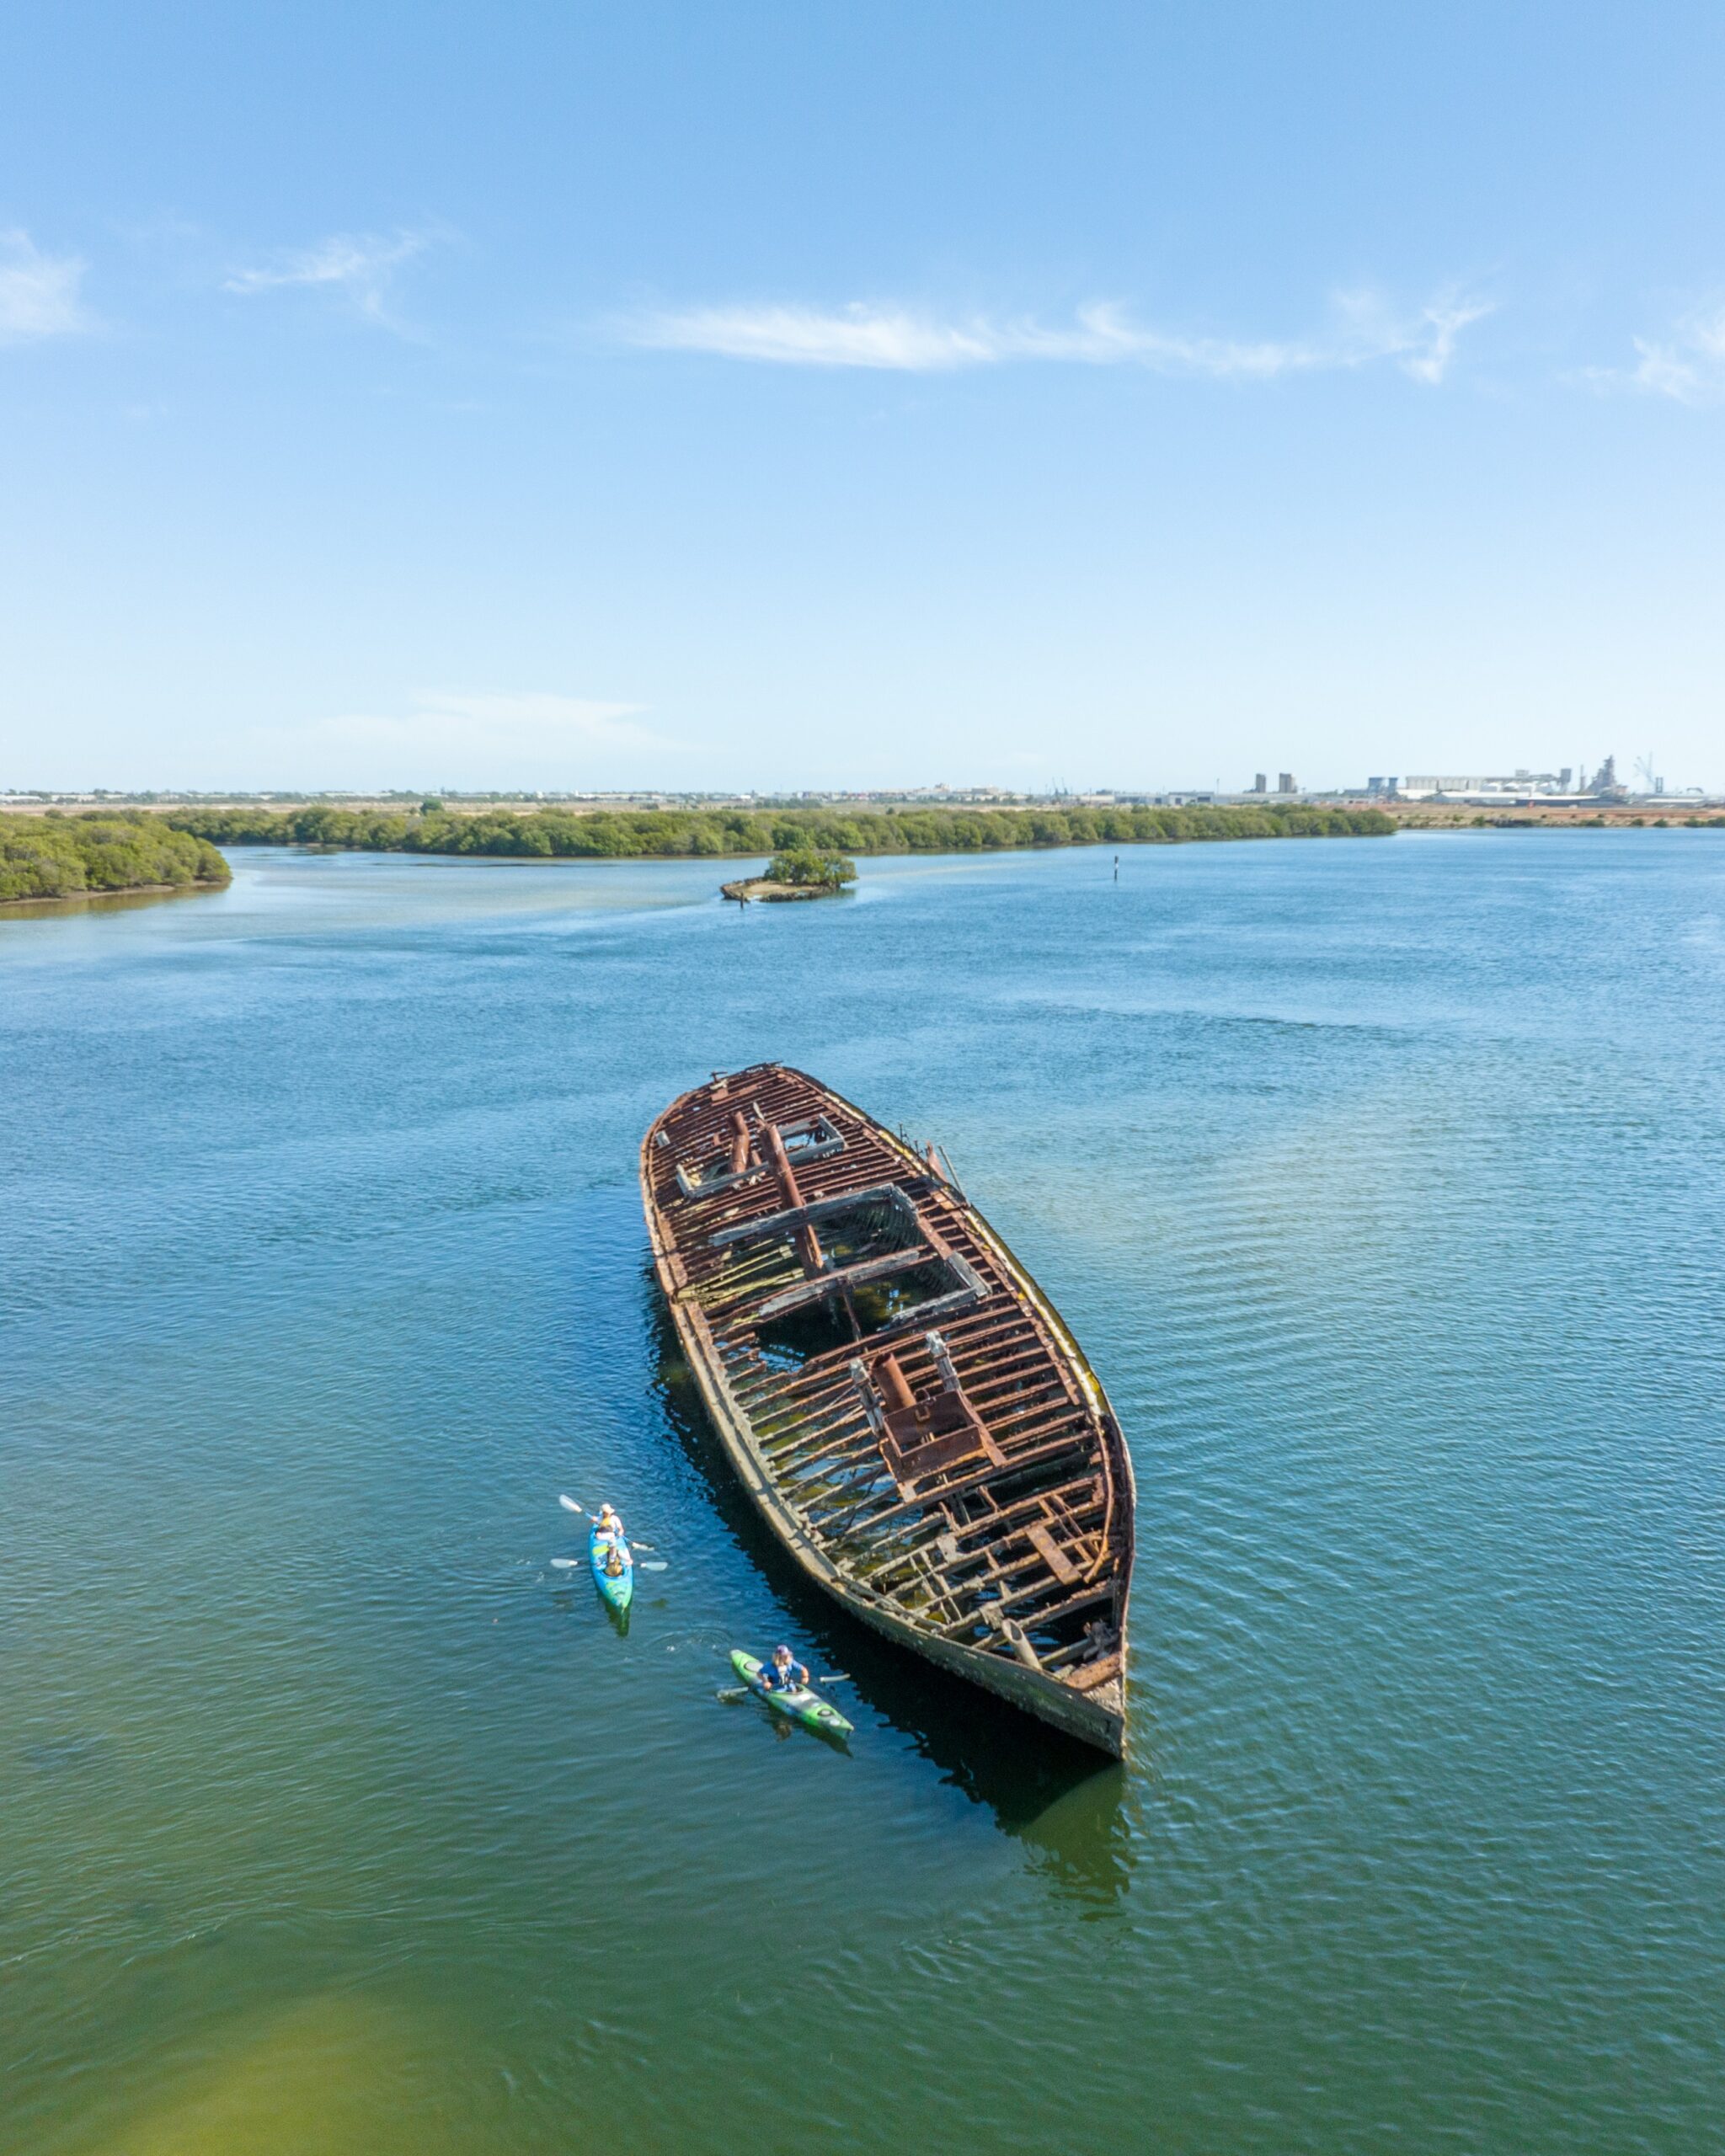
pixel 1383 1183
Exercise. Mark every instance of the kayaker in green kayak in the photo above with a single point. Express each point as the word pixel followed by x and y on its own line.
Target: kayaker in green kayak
pixel 783 1673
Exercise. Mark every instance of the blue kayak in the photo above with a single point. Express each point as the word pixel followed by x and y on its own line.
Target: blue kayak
pixel 616 1586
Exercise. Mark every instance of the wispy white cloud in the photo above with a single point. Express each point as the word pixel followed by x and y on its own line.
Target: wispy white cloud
pixel 1688 364
pixel 38 293
pixel 1364 328
pixel 357 267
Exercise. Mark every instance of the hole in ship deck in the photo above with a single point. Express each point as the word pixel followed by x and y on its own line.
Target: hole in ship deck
pixel 818 1328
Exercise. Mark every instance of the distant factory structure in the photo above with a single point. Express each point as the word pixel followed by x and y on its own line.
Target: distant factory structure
pixel 1484 789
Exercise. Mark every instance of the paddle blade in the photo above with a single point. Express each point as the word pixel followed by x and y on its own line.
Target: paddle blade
pixel 570 1505
pixel 647 1566
pixel 567 1564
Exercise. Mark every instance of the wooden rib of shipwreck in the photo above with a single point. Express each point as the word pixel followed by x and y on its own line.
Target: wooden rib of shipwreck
pixel 896 1395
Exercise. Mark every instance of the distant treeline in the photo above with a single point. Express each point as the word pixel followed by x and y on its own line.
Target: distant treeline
pixel 636 833
pixel 55 857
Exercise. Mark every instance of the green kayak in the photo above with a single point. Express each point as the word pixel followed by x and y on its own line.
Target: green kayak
pixel 801 1704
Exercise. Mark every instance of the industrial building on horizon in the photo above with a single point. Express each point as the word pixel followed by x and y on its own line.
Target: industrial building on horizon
pixel 1571 783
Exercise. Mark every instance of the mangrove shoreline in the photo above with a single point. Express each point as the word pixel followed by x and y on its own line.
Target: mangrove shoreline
pixel 716 834
pixel 102 855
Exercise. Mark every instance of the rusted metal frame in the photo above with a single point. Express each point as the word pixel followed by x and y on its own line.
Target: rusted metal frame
pixel 998 1351
pixel 1108 1431
pixel 1040 1535
pixel 819 1367
pixel 725 1184
pixel 768 1402
pixel 838 1356
pixel 832 1511
pixel 1000 1566
pixel 988 1333
pixel 1004 1319
pixel 843 1518
pixel 860 1440
pixel 1083 1650
pixel 831 1514
pixel 875 1555
pixel 704 1126
pixel 857 1443
pixel 750 1269
pixel 705 1264
pixel 938 1309
pixel 703 1215
pixel 791 1421
pixel 924 1572
pixel 987 1362
pixel 737 1310
pixel 989 1389
pixel 1020 1607
pixel 740 1280
pixel 957 1589
pixel 1058 1359
pixel 819 1286
pixel 1105 1477
pixel 1061 1401
pixel 1017 1465
pixel 741 1186
pixel 837 1437
pixel 1094 1540
pixel 845 1416
pixel 1034 1432
pixel 746 1275
pixel 1102 1670
pixel 813 1210
pixel 735 1141
pixel 1001 1411
pixel 990 1377
pixel 997 1524
pixel 993 1638
pixel 843 1174
pixel 1082 1600
pixel 1000 1572
pixel 1034 1435
pixel 723 1309
pixel 815 1409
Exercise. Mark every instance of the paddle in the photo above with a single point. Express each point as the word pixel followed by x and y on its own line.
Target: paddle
pixel 579 1564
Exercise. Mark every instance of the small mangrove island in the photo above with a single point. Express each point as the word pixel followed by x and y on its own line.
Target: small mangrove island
pixel 564 834
pixel 802 874
pixel 101 854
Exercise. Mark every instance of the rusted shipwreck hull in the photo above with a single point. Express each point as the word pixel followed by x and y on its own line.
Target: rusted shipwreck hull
pixel 896 1395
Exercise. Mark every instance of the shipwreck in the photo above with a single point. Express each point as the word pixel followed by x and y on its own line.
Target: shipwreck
pixel 900 1400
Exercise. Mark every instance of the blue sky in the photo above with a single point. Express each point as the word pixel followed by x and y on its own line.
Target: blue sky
pixel 713 394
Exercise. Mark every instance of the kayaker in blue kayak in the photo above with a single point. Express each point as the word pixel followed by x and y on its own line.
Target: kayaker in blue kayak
pixel 783 1673
pixel 608 1522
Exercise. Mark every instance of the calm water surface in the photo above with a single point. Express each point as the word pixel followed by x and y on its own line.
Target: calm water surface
pixel 1382 1181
